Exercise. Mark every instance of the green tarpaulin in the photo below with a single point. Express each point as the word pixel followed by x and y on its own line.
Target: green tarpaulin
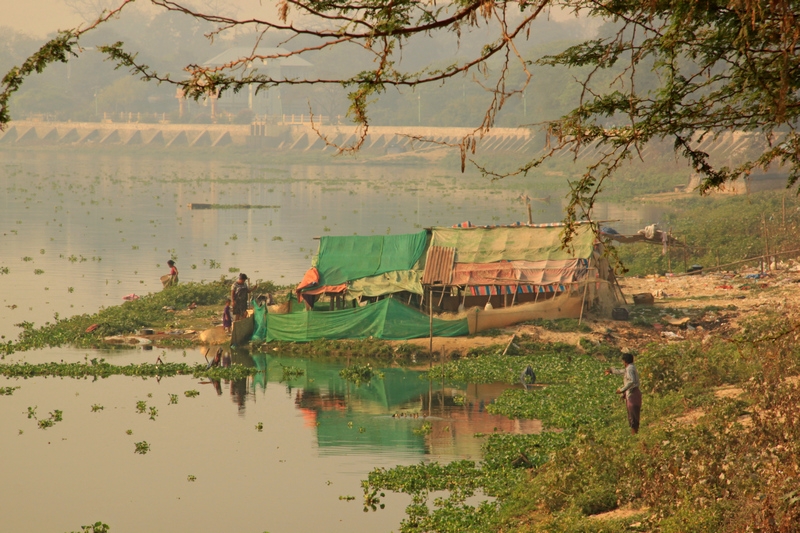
pixel 260 324
pixel 386 319
pixel 342 259
pixel 387 283
pixel 488 245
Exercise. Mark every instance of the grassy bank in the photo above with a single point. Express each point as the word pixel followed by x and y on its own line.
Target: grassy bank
pixel 164 310
pixel 706 459
pixel 759 221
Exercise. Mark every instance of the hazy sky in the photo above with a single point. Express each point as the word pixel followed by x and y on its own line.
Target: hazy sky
pixel 41 17
pixel 37 17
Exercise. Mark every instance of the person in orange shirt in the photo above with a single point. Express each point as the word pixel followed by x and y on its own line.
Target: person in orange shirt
pixel 170 279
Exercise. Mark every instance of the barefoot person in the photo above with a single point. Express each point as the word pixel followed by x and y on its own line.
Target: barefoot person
pixel 240 296
pixel 630 390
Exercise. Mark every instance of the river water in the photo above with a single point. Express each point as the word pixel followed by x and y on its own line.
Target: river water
pixel 78 232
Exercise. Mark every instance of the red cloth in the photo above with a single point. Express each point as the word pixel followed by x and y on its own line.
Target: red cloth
pixel 325 289
pixel 310 278
pixel 518 272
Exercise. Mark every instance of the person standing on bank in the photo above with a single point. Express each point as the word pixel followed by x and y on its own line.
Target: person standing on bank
pixel 240 296
pixel 170 279
pixel 630 390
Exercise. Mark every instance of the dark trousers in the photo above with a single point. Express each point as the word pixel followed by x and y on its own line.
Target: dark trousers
pixel 633 402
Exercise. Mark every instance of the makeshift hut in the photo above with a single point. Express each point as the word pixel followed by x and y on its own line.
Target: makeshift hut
pixel 356 269
pixel 390 286
pixel 493 267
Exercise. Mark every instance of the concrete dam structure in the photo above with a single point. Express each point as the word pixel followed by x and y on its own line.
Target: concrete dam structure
pixel 300 136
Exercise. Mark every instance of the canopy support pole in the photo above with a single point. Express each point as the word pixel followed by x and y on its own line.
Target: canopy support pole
pixel 583 302
pixel 430 315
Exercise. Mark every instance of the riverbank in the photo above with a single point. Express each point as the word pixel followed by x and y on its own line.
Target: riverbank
pixel 717 449
pixel 684 307
pixel 712 351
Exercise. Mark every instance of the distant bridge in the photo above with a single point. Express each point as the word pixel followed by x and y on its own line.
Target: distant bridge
pixel 294 133
pixel 293 136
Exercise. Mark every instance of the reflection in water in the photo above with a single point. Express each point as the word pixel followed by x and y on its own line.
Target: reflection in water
pixel 397 413
pixel 321 437
pixel 224 357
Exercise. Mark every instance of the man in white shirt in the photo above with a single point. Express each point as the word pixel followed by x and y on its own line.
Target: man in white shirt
pixel 630 390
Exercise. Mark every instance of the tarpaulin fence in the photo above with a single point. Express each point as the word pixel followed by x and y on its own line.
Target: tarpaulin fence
pixel 386 319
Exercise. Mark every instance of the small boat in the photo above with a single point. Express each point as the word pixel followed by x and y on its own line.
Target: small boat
pixel 562 306
pixel 230 206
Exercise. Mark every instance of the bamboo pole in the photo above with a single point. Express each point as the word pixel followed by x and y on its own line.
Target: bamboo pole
pixel 430 315
pixel 764 237
pixel 783 211
pixel 766 241
pixel 685 265
pixel 509 343
pixel 617 288
pixel 749 260
pixel 583 302
pixel 669 250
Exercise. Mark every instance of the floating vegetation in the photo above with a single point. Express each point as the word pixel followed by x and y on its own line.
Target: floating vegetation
pixel 173 399
pixel 44 423
pixel 191 478
pixel 260 426
pixel 191 393
pixel 424 429
pixel 96 407
pixel 7 391
pixel 141 447
pixel 372 498
pixel 97 527
pixel 357 373
pixel 291 372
